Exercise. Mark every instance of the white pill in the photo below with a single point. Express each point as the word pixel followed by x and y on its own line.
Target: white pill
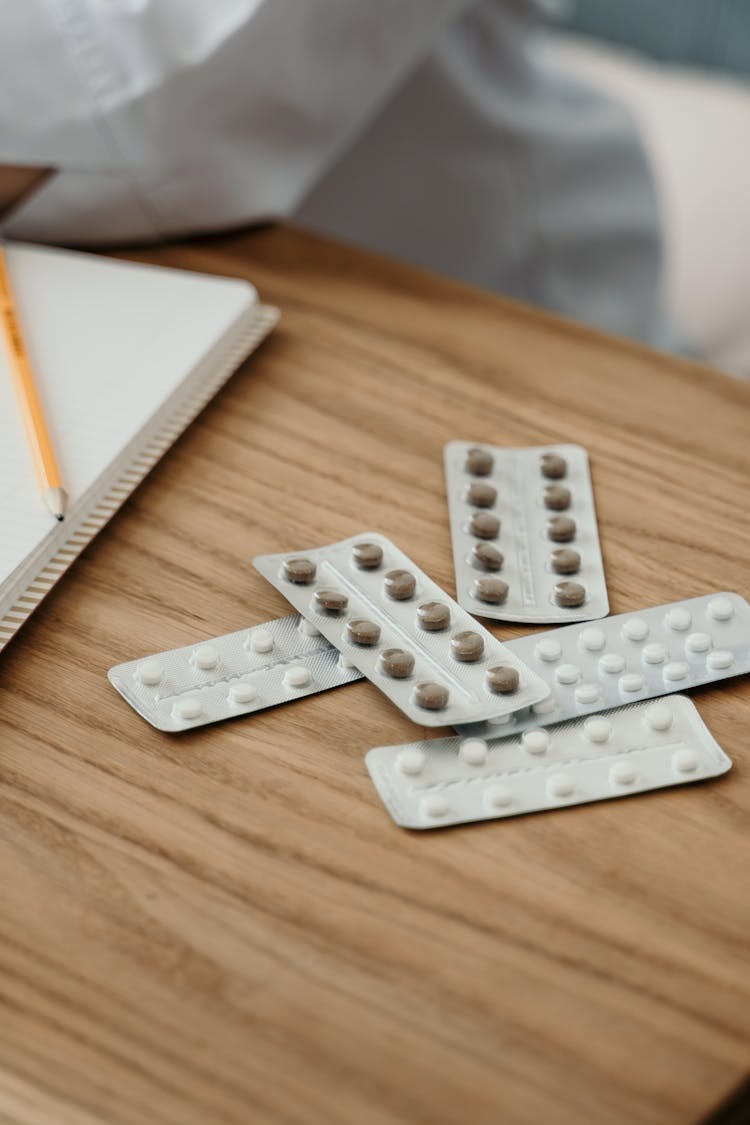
pixel 698 642
pixel 473 751
pixel 587 693
pixel 205 657
pixel 411 762
pixel 297 676
pixel 434 806
pixel 261 640
pixel 659 716
pixel 655 654
pixel 498 796
pixel 597 729
pixel 675 670
pixel 622 773
pixel 719 658
pixel 150 672
pixel 593 640
pixel 684 761
pixel 612 663
pixel 560 785
pixel 721 609
pixel 346 663
pixel 187 708
pixel 501 720
pixel 679 619
pixel 545 706
pixel 635 629
pixel 308 629
pixel 535 741
pixel 631 681
pixel 242 692
pixel 567 674
pixel 548 650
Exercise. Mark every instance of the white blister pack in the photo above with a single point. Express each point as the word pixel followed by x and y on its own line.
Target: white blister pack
pixel 236 674
pixel 443 781
pixel 524 531
pixel 630 657
pixel 429 656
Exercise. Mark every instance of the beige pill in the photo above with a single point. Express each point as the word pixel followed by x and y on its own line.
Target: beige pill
pixel 503 679
pixel 493 591
pixel 479 462
pixel 481 495
pixel 330 601
pixel 433 616
pixel 400 585
pixel 561 529
pixel 565 561
pixel 367 556
pixel 362 632
pixel 484 525
pixel 396 662
pixel 300 571
pixel 553 466
pixel 487 557
pixel 570 594
pixel 467 646
pixel 557 497
pixel 431 696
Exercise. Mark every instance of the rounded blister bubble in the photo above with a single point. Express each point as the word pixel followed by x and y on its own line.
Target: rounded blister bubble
pixel 501 720
pixel 654 654
pixel 567 674
pixel 498 796
pixel 593 640
pixel 635 629
pixel 308 629
pixel 678 618
pixel 346 663
pixel 242 692
pixel 548 650
pixel 569 595
pixel 330 602
pixel 430 695
pixel 205 657
pixel 659 716
pixel 399 584
pixel 684 761
pixel 631 681
pixel 597 729
pixel 473 751
pixel 622 773
pixel 434 806
pixel 186 709
pixel 560 785
pixel 535 741
pixel 260 640
pixel 502 679
pixel 545 706
pixel 612 663
pixel 587 693
pixel 150 673
pixel 675 671
pixel 720 609
pixel 297 676
pixel 367 556
pixel 411 761
pixel 719 659
pixel 698 642
pixel 479 462
pixel 299 571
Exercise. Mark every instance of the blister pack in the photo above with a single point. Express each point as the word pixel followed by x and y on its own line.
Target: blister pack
pixel 429 656
pixel 236 674
pixel 630 657
pixel 525 536
pixel 434 783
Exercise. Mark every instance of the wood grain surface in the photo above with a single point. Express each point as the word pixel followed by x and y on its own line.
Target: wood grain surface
pixel 226 926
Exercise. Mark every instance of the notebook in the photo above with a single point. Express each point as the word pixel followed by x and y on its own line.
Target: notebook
pixel 124 357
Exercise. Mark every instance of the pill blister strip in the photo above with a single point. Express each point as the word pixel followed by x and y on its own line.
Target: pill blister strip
pixel 459 688
pixel 233 675
pixel 438 782
pixel 630 657
pixel 508 573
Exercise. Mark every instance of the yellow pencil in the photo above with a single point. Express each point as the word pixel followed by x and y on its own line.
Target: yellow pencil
pixel 53 493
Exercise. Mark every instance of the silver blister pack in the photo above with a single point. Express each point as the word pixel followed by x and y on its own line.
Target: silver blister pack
pixel 630 657
pixel 443 781
pixel 429 656
pixel 236 674
pixel 524 531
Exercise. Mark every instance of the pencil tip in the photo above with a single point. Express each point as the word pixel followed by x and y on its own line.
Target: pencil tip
pixel 56 499
pixel 59 518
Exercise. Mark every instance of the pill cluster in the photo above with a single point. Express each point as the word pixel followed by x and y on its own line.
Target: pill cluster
pixel 525 537
pixel 431 784
pixel 425 652
pixel 232 675
pixel 629 657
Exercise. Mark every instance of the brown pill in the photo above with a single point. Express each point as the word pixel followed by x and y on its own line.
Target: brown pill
pixel 493 591
pixel 561 529
pixel 300 571
pixel 484 525
pixel 367 556
pixel 397 663
pixel 467 646
pixel 487 557
pixel 557 497
pixel 362 632
pixel 565 561
pixel 479 462
pixel 570 594
pixel 503 679
pixel 431 696
pixel 400 585
pixel 330 601
pixel 553 466
pixel 433 616
pixel 481 495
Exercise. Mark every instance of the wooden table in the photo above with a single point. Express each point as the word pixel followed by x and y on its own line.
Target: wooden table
pixel 226 927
